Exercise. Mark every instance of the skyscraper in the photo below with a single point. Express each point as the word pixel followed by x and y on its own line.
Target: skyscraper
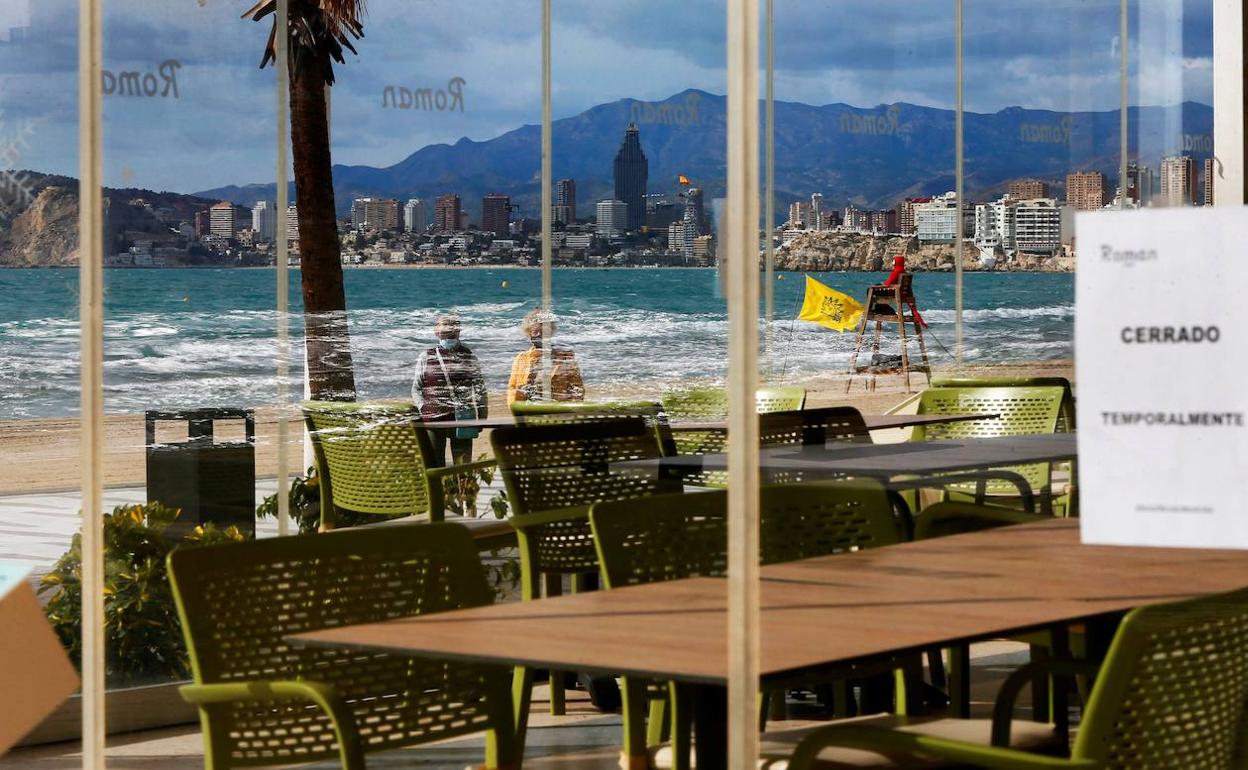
pixel 1207 183
pixel 565 195
pixel 496 214
pixel 693 201
pixel 1085 190
pixel 816 208
pixel 264 220
pixel 1178 181
pixel 415 216
pixel 631 169
pixel 446 213
pixel 222 219
pixel 1139 184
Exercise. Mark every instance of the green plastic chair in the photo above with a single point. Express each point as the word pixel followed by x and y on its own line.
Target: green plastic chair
pixel 673 537
pixel 545 412
pixel 1021 411
pixel 373 459
pixel 1170 695
pixel 708 404
pixel 1065 418
pixel 263 701
pixel 553 473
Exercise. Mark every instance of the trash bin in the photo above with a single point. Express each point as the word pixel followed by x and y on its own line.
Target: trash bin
pixel 211 481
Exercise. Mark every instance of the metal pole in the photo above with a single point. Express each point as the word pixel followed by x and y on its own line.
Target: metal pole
pixel 960 181
pixel 547 223
pixel 1228 102
pixel 91 327
pixel 283 270
pixel 1123 95
pixel 743 514
pixel 769 196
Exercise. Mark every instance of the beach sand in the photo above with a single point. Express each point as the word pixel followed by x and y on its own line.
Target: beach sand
pixel 45 455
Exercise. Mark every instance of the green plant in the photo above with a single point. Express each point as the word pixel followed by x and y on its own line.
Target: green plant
pixel 143 639
pixel 305 503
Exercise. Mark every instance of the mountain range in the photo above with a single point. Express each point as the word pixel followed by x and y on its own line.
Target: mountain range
pixel 871 157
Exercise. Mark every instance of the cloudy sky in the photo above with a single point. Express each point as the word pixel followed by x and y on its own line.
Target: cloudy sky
pixel 1061 55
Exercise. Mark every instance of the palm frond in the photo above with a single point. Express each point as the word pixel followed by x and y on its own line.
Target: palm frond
pixel 319 30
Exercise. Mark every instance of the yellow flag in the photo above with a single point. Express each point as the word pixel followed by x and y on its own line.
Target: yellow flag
pixel 828 307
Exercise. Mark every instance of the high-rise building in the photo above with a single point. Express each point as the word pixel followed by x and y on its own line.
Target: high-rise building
pixel 856 219
pixel 631 170
pixel 936 220
pixel 222 219
pixel 816 210
pixel 679 238
pixel 264 220
pixel 1027 189
pixel 1037 225
pixel 565 195
pixel 446 214
pixel 612 218
pixel 701 223
pixel 496 214
pixel 1085 190
pixel 292 224
pixel 1139 184
pixel 1178 181
pixel 380 214
pixel 661 213
pixel 203 223
pixel 415 216
pixel 1207 183
pixel 799 214
pixel 884 221
pixel 1033 225
pixel 905 214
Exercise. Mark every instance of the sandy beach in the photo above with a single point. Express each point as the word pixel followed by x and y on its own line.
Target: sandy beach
pixel 44 454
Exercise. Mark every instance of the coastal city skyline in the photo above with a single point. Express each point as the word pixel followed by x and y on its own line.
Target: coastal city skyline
pixel 636 226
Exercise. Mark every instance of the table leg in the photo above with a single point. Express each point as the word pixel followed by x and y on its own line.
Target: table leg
pixel 710 726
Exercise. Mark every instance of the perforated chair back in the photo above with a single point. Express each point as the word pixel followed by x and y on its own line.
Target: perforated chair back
pixel 572 466
pixel 1065 418
pixel 786 398
pixel 546 412
pixel 239 602
pixel 1172 690
pixel 813 427
pixel 369 456
pixel 680 536
pixel 1022 411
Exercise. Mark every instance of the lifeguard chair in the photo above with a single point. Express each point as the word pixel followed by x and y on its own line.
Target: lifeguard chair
pixel 888 303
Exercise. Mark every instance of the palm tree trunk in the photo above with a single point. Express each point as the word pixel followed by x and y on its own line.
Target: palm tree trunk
pixel 330 373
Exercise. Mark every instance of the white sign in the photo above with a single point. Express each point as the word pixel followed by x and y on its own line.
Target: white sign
pixel 1161 352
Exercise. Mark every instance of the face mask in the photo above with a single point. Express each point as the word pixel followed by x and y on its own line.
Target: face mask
pixel 448 344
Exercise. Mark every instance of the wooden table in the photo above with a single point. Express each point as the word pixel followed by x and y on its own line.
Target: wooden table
pixel 873 421
pixel 853 608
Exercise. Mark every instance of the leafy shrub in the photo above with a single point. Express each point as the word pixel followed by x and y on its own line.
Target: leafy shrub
pixel 143 638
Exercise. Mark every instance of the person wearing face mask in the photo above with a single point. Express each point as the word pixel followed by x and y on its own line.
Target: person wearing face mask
pixel 449 386
pixel 528 379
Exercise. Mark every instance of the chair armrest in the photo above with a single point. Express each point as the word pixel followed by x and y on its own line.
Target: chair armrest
pixel 458 470
pixel 522 521
pixel 1003 710
pixel 897 741
pixel 323 695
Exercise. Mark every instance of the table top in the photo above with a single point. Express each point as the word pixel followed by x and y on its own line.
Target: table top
pixel 817 612
pixel 919 457
pixel 873 421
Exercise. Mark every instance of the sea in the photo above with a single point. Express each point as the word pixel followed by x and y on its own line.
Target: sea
pixel 182 338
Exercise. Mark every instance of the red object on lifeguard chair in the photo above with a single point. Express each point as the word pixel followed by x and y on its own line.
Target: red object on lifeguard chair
pixel 889 302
